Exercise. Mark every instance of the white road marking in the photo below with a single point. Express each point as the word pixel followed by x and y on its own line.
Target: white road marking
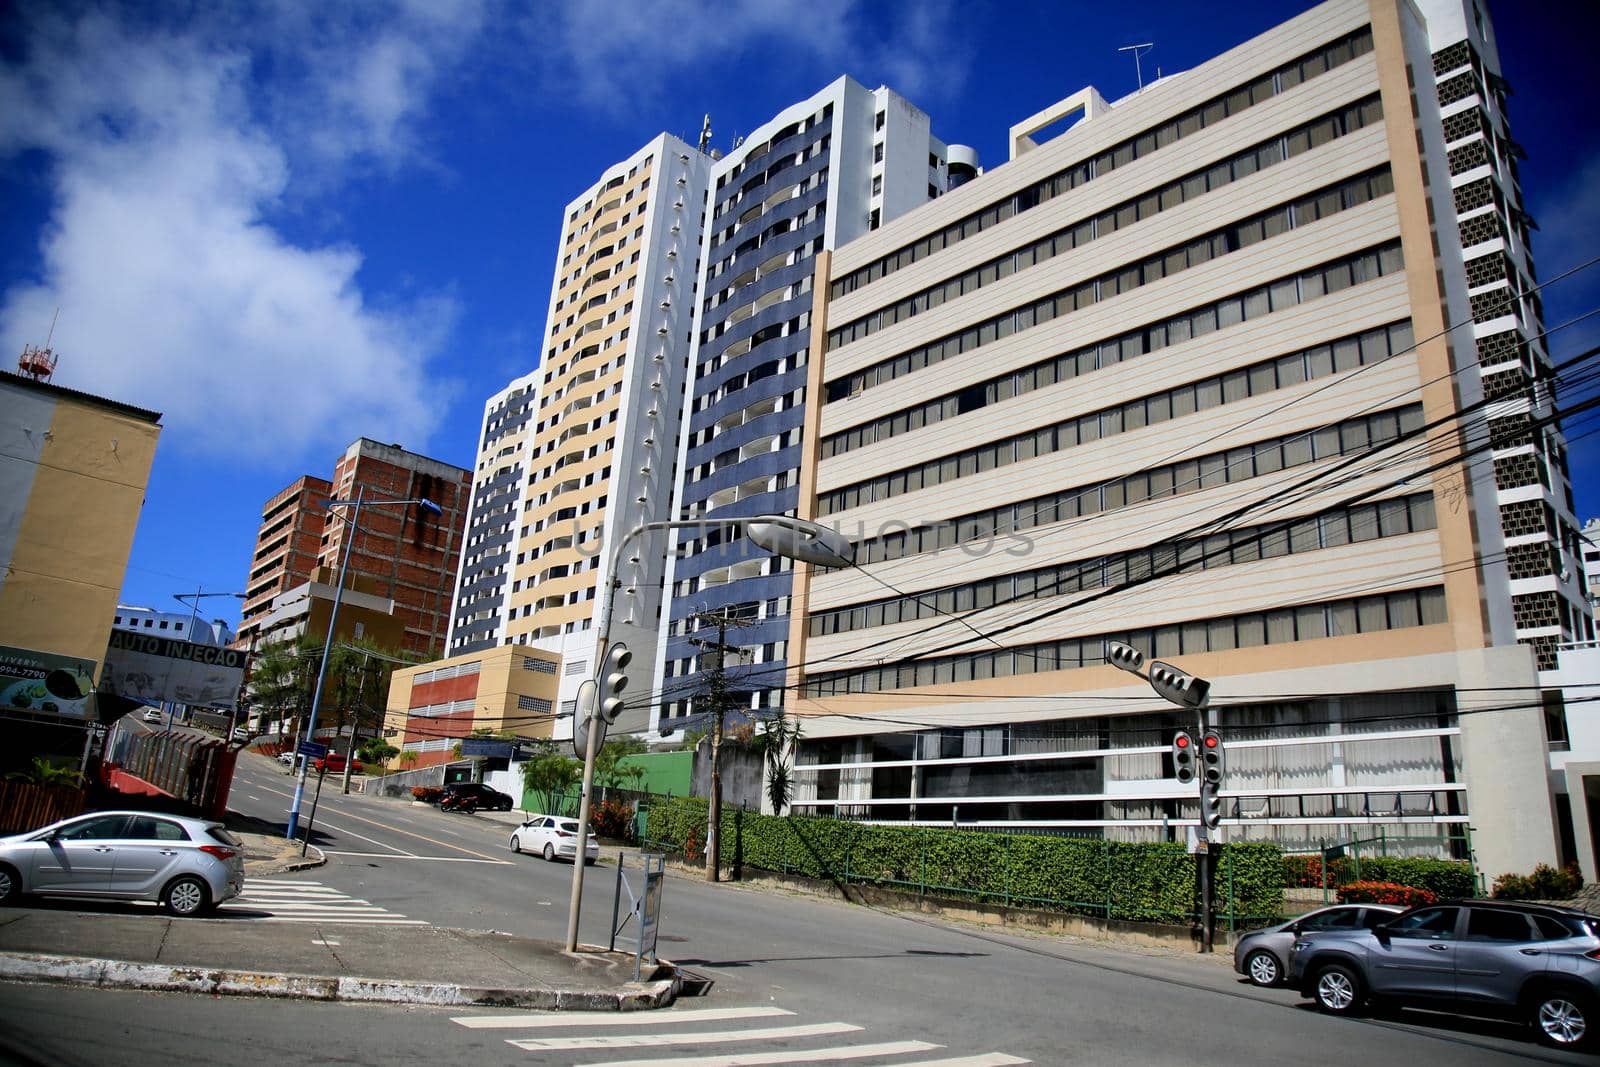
pixel 412 856
pixel 771 1033
pixel 816 1055
pixel 324 941
pixel 983 1059
pixel 287 902
pixel 531 1020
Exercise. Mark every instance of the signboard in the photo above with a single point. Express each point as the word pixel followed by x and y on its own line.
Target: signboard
pixel 485 746
pixel 655 876
pixel 312 749
pixel 155 670
pixel 45 683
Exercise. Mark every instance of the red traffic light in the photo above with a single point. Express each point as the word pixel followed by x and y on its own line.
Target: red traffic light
pixel 1211 740
pixel 1181 741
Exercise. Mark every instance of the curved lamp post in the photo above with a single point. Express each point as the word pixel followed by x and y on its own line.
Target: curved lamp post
pixel 781 535
pixel 354 521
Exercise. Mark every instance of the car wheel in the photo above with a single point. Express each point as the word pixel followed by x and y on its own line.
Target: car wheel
pixel 1337 989
pixel 186 897
pixel 1263 968
pixel 1561 1018
pixel 516 844
pixel 10 884
pixel 549 853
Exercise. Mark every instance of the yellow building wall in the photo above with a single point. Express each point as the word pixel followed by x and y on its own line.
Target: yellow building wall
pixel 59 588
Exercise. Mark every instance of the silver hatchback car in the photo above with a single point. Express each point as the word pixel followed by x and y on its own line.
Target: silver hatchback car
pixel 1263 955
pixel 188 865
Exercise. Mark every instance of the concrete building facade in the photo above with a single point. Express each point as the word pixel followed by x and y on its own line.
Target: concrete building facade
pixel 820 173
pixel 508 689
pixel 1233 371
pixel 500 486
pixel 576 454
pixel 287 545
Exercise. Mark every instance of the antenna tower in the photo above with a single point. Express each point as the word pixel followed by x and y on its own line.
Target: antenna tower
pixel 36 362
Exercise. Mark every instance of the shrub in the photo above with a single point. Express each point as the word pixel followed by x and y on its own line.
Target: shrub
pixel 1443 878
pixel 426 793
pixel 1121 880
pixel 1406 896
pixel 1545 883
pixel 1306 872
pixel 613 819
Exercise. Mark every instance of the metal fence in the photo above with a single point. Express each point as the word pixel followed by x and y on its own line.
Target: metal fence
pixel 1338 863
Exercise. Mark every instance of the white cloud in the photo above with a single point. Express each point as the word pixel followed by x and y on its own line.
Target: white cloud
pixel 616 55
pixel 174 292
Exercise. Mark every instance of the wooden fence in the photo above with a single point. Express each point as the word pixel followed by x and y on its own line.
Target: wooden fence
pixel 25 807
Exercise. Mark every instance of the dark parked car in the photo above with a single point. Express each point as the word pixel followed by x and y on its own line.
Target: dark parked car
pixel 488 799
pixel 1469 957
pixel 1263 955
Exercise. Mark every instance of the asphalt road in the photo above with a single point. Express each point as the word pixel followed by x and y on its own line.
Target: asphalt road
pixel 848 977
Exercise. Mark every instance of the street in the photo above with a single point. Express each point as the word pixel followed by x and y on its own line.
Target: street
pixel 797 979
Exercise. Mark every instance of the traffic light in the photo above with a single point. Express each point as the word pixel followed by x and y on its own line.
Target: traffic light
pixel 1180 687
pixel 1126 657
pixel 1183 756
pixel 1211 777
pixel 613 680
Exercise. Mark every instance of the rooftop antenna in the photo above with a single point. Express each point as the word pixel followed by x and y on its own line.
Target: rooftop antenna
pixel 1138 50
pixel 40 363
pixel 705 133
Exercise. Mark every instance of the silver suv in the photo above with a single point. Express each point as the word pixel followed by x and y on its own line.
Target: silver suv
pixel 1469 957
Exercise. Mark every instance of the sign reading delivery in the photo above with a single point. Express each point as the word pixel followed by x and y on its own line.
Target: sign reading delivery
pixel 153 669
pixel 46 683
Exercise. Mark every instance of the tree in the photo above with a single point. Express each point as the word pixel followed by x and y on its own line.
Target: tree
pixel 549 774
pixel 408 759
pixel 607 771
pixel 45 773
pixel 777 746
pixel 375 750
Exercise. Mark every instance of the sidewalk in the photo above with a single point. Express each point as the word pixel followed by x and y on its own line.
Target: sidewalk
pixel 130 946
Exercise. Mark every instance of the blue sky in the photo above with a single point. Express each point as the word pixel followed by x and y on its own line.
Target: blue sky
pixel 286 227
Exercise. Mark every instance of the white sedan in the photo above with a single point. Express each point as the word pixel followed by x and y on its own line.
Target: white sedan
pixel 552 837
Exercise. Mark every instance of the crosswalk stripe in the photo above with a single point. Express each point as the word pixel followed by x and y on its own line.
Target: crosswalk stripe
pixel 307 902
pixel 562 1044
pixel 640 1018
pixel 398 920
pixel 984 1059
pixel 816 1055
pixel 321 909
pixel 270 882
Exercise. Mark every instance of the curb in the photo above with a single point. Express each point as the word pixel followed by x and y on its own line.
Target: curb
pixel 120 974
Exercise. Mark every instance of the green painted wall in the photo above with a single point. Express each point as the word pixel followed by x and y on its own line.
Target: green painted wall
pixel 664 772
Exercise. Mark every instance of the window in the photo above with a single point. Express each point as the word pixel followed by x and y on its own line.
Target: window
pixel 145 828
pixel 1430 924
pixel 1332 919
pixel 1492 924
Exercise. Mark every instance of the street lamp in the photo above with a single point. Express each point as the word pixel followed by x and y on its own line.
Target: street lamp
pixel 354 521
pixel 194 615
pixel 781 535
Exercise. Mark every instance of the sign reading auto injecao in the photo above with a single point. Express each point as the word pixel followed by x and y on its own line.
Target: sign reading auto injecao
pixel 153 669
pixel 46 683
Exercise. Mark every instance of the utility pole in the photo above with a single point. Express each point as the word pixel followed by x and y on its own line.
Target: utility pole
pixel 716 694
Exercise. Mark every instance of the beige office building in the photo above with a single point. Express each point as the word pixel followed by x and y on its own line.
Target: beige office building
pixel 1235 371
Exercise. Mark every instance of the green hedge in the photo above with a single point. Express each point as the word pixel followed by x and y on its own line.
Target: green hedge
pixel 1443 878
pixel 1118 880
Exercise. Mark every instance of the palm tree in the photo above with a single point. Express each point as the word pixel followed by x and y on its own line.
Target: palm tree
pixel 777 746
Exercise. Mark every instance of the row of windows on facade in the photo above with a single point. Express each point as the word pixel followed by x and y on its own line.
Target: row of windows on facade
pixel 1318 361
pixel 1081 232
pixel 737 655
pixel 773 608
pixel 1138 146
pixel 756 156
pixel 1395 517
pixel 771 198
pixel 148 624
pixel 1371 614
pixel 1151 269
pixel 615 182
pixel 760 301
pixel 1354 436
pixel 1060 437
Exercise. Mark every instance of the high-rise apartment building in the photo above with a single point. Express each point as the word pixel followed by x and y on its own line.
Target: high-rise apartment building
pixel 822 172
pixel 1239 370
pixel 408 555
pixel 287 546
pixel 577 454
pixel 500 485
